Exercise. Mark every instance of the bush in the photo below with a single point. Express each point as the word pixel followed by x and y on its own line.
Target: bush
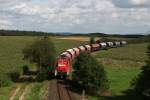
pixel 4 80
pixel 25 70
pixel 142 83
pixel 42 75
pixel 42 53
pixel 14 75
pixel 89 73
pixel 92 40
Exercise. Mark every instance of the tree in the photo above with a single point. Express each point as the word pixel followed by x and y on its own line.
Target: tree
pixel 89 73
pixel 104 39
pixel 142 83
pixel 92 40
pixel 42 53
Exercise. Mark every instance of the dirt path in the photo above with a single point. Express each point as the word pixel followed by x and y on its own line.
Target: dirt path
pixel 15 93
pixel 24 92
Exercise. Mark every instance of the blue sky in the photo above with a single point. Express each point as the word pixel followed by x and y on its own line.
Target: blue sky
pixel 109 16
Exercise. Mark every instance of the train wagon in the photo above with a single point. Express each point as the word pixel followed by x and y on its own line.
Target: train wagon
pixel 82 48
pixel 110 44
pixel 71 52
pixel 123 43
pixel 77 51
pixel 103 46
pixel 88 48
pixel 117 44
pixel 95 47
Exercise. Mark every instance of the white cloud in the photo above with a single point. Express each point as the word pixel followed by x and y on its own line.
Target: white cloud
pixel 76 16
pixel 5 22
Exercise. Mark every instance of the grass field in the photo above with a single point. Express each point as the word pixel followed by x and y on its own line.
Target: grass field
pixel 11 50
pixel 132 52
pixel 121 64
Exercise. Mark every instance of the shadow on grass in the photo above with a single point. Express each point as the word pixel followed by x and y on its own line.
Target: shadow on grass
pixel 30 72
pixel 26 76
pixel 127 95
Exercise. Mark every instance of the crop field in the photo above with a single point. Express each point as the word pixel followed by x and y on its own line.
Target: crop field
pixel 121 64
pixel 78 38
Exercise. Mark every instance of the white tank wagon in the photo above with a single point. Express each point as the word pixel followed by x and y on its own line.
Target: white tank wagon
pixel 103 45
pixel 72 52
pixel 123 43
pixel 82 48
pixel 88 48
pixel 66 54
pixel 110 44
pixel 117 44
pixel 77 51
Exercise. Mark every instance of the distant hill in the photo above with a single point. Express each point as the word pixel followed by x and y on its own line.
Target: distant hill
pixel 35 33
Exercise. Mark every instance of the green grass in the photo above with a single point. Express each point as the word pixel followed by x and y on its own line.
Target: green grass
pixel 120 79
pixel 120 75
pixel 132 52
pixel 34 93
pixel 37 91
pixel 4 92
pixel 122 66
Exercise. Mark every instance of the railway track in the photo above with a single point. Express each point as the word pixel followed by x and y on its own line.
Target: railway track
pixel 63 91
pixel 59 90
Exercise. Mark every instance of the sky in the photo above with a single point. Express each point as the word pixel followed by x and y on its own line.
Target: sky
pixel 77 16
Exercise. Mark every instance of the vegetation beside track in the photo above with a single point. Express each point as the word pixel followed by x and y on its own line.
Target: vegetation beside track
pixel 122 66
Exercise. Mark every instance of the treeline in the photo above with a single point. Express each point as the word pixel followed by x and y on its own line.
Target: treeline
pixel 36 33
pixel 24 33
pixel 110 35
pixel 136 38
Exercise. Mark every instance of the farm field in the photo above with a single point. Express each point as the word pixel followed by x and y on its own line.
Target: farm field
pixel 121 64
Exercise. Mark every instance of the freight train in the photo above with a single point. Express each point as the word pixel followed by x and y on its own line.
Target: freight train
pixel 63 64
